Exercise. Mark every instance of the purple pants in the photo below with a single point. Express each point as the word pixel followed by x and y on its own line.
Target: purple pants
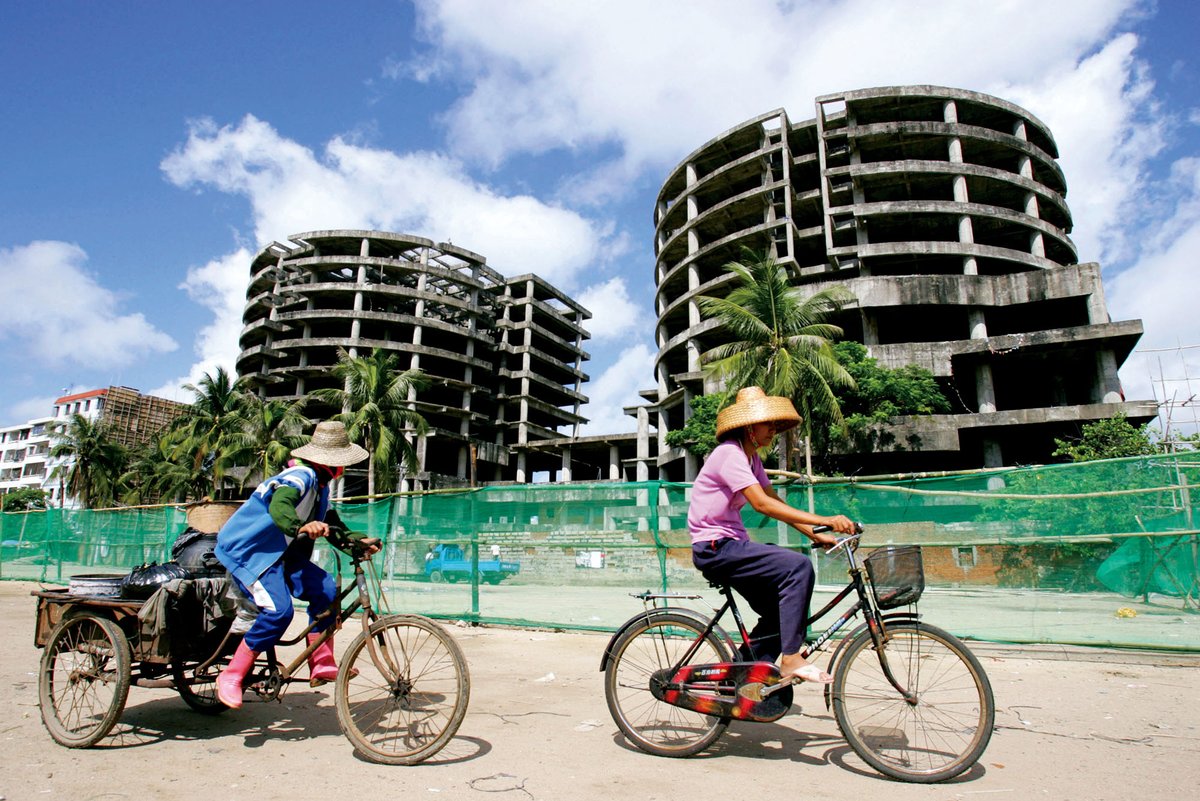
pixel 776 582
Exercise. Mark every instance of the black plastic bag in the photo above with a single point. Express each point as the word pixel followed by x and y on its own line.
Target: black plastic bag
pixel 195 552
pixel 143 580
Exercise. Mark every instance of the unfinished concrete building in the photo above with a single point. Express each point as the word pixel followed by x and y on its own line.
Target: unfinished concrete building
pixel 944 212
pixel 504 355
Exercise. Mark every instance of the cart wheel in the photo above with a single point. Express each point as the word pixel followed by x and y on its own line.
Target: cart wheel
pixel 198 692
pixel 83 680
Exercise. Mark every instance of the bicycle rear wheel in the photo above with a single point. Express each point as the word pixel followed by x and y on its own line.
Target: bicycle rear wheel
pixel 656 727
pixel 940 735
pixel 84 679
pixel 198 692
pixel 402 690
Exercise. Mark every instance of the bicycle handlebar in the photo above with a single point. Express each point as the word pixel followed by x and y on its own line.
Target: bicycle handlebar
pixel 849 541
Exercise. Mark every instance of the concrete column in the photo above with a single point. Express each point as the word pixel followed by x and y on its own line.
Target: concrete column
pixel 1108 384
pixel 870 328
pixel 614 463
pixel 978 322
pixel 566 465
pixel 985 389
pixel 520 477
pixel 643 444
pixel 992 455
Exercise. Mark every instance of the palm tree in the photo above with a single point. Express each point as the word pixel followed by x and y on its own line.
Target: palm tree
pixel 273 429
pixel 376 411
pixel 779 340
pixel 160 470
pixel 97 461
pixel 210 425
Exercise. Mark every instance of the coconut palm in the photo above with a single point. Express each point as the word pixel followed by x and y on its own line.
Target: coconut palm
pixel 779 339
pixel 159 470
pixel 97 461
pixel 273 429
pixel 376 411
pixel 208 427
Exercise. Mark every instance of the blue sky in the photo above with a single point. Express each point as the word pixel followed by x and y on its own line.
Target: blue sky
pixel 151 148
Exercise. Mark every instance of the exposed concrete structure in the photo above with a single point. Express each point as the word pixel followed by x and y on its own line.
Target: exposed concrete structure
pixel 944 212
pixel 505 355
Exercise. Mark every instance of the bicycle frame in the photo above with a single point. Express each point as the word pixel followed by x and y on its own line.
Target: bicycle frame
pixel 277 675
pixel 865 603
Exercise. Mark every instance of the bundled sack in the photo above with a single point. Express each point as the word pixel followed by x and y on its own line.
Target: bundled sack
pixel 144 580
pixel 195 551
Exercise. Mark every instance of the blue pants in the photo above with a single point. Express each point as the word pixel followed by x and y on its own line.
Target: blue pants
pixel 273 593
pixel 776 582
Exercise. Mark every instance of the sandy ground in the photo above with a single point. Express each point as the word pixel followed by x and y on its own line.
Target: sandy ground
pixel 1070 724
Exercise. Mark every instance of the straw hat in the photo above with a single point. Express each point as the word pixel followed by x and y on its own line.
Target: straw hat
pixel 330 446
pixel 755 406
pixel 207 516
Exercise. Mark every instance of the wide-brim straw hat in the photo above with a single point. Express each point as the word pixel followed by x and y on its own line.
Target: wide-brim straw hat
pixel 207 516
pixel 330 446
pixel 755 406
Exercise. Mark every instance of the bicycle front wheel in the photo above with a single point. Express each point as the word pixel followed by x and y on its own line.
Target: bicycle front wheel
pixel 656 727
pixel 938 735
pixel 402 690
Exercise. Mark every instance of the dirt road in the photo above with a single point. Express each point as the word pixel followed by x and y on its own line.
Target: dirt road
pixel 1070 724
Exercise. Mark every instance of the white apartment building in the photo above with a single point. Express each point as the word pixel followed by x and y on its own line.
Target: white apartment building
pixel 25 455
pixel 25 459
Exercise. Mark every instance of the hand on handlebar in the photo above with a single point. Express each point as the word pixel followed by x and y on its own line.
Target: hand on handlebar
pixel 314 529
pixel 369 546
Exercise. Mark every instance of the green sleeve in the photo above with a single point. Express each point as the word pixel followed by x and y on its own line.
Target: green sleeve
pixel 283 510
pixel 343 538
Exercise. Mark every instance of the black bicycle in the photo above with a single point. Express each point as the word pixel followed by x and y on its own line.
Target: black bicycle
pixel 909 698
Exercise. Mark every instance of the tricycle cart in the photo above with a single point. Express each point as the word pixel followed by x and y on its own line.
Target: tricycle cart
pixel 401 691
pixel 96 647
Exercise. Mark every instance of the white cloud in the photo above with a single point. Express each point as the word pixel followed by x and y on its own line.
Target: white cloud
pixel 219 286
pixel 1160 288
pixel 1108 127
pixel 616 388
pixel 292 190
pixel 656 80
pixel 614 315
pixel 58 312
pixel 31 409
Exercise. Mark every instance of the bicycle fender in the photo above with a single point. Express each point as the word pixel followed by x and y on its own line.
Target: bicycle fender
pixel 696 617
pixel 861 627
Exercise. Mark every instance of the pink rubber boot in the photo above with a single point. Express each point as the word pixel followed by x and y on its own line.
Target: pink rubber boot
pixel 321 667
pixel 229 682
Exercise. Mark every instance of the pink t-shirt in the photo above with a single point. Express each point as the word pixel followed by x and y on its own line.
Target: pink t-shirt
pixel 717 499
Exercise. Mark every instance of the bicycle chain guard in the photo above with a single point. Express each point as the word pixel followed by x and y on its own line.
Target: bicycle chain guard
pixel 725 689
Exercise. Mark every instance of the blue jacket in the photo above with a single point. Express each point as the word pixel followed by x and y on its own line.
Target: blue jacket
pixel 250 541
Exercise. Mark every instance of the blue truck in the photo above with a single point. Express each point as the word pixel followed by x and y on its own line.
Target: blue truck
pixel 448 562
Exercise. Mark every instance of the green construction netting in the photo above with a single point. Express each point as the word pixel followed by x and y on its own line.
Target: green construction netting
pixel 1101 553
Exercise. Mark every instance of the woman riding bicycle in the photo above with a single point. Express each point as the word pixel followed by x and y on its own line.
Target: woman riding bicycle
pixel 270 563
pixel 776 582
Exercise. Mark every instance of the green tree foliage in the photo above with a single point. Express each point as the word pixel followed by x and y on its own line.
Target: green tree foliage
pixel 375 400
pixel 699 433
pixel 779 339
pixel 97 461
pixel 164 470
pixel 206 431
pixel 272 430
pixel 878 394
pixel 23 499
pixel 1108 439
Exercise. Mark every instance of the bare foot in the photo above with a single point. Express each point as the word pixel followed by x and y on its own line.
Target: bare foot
pixel 797 666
